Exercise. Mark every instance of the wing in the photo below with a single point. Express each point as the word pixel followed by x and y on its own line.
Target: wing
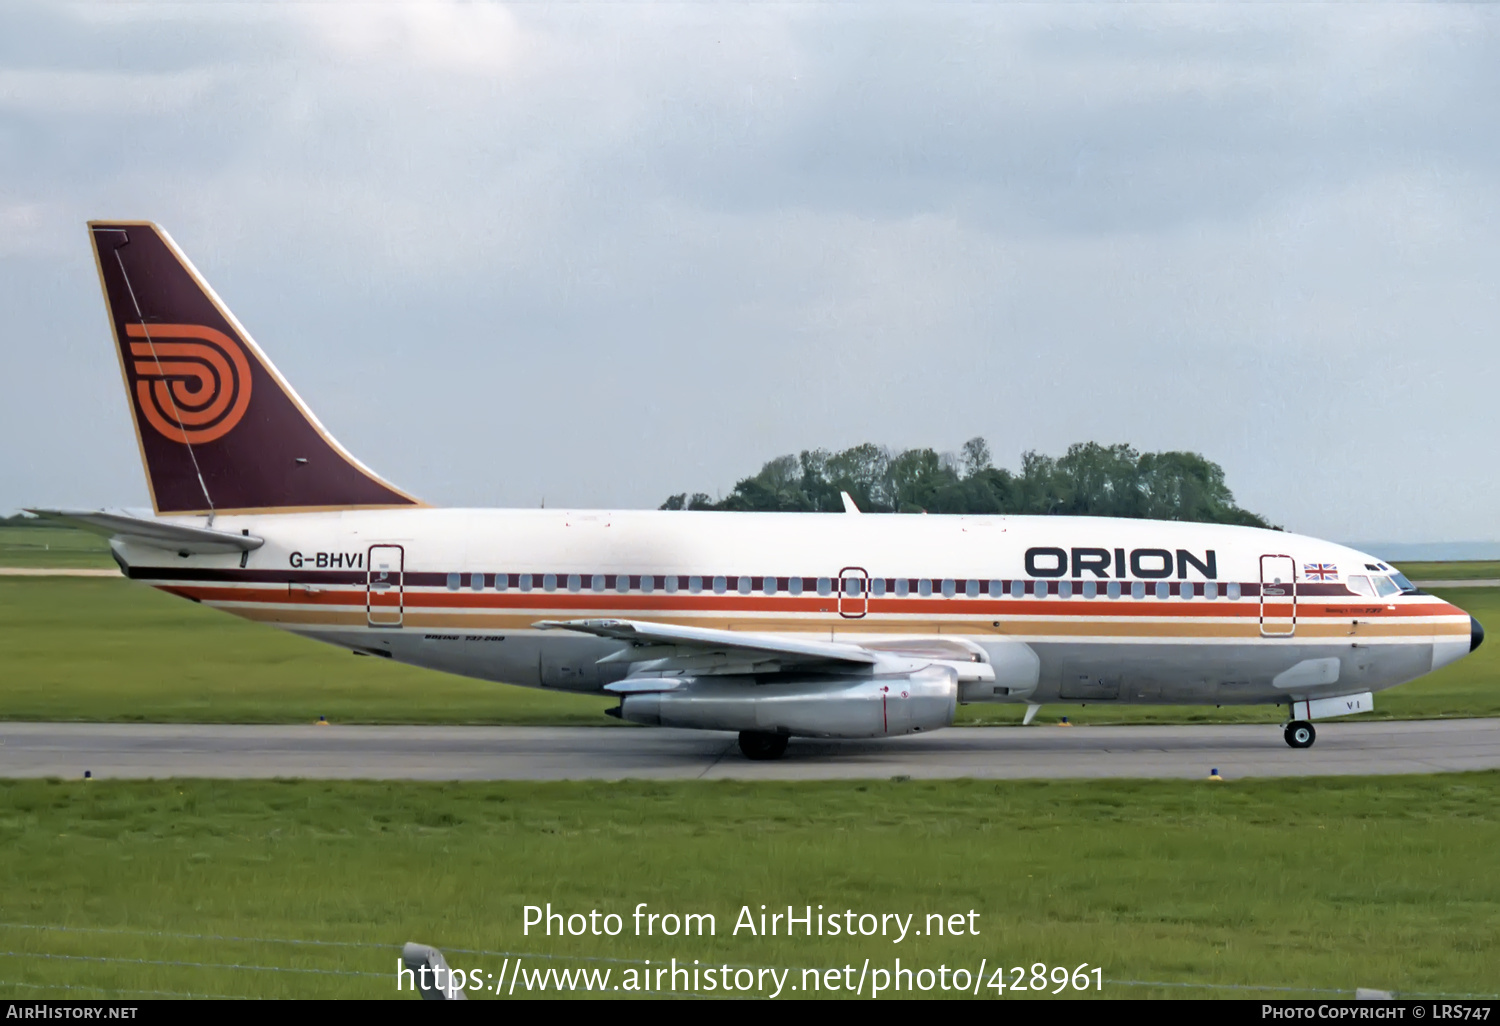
pixel 160 534
pixel 655 641
pixel 658 648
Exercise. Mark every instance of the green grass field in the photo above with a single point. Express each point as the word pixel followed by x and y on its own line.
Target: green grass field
pixel 280 889
pixel 53 547
pixel 101 649
pixel 1466 570
pixel 1321 884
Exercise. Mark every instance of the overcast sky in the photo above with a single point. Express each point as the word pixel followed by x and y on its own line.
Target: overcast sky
pixel 601 253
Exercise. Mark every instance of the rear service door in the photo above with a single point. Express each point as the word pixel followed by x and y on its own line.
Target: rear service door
pixel 384 598
pixel 1278 596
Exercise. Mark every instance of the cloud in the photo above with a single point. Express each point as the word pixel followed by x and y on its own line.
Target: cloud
pixel 442 36
pixel 606 253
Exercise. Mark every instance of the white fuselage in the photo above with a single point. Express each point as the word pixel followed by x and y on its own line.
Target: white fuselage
pixel 1070 609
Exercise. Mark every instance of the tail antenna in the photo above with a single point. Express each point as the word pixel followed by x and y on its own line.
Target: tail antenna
pixel 146 330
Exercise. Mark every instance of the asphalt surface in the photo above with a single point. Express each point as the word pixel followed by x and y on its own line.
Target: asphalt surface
pixel 67 750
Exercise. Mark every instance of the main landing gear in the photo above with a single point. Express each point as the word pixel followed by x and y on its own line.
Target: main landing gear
pixel 1300 734
pixel 758 745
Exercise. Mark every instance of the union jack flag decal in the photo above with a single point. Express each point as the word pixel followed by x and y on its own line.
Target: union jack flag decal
pixel 1320 571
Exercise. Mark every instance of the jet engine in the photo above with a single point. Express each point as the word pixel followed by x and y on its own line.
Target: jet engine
pixel 807 707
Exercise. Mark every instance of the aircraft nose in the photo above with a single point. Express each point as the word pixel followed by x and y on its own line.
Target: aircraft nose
pixel 1476 634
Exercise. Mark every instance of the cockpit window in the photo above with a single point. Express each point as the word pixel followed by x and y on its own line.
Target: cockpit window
pixel 1360 585
pixel 1407 588
pixel 1385 587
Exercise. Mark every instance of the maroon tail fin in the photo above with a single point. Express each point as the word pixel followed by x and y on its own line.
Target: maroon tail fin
pixel 220 430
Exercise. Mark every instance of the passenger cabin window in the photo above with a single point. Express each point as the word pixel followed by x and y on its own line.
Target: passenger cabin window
pixel 1138 589
pixel 1017 589
pixel 477 582
pixel 1064 589
pixel 575 582
pixel 745 584
pixel 1163 590
pixel 1040 589
pixel 1090 588
pixel 924 587
pixel 549 582
pixel 524 582
pixel 1360 585
pixel 1385 587
pixel 648 583
pixel 949 588
pixel 825 586
pixel 1210 589
pixel 501 581
pixel 1232 591
pixel 1186 590
pixel 770 586
pixel 671 582
pixel 695 584
pixel 598 582
pixel 877 586
pixel 1114 589
pixel 453 582
pixel 794 585
pixel 971 589
pixel 903 587
pixel 995 589
pixel 720 585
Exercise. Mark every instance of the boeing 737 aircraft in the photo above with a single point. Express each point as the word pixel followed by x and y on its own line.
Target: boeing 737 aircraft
pixel 774 625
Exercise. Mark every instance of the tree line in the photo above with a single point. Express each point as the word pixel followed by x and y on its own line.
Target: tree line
pixel 1089 480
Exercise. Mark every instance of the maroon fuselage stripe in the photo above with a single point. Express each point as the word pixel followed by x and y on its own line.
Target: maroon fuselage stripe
pixel 427 579
pixel 735 603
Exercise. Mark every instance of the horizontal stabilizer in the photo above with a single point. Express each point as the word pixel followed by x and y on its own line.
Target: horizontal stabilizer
pixel 160 534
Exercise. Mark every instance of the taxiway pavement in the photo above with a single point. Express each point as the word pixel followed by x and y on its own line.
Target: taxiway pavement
pixel 68 750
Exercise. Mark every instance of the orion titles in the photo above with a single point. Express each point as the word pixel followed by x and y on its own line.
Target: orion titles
pixel 1148 564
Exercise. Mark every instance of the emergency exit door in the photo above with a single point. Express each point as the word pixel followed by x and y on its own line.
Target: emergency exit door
pixel 1278 596
pixel 854 592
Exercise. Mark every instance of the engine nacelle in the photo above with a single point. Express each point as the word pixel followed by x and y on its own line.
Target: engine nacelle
pixel 826 707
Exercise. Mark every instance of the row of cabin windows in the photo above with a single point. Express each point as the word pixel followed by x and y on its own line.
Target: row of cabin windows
pixel 853 586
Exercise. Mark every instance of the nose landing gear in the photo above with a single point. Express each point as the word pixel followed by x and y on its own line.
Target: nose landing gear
pixel 1300 734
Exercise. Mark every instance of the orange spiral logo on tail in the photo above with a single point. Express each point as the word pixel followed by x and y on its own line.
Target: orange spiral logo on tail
pixel 190 391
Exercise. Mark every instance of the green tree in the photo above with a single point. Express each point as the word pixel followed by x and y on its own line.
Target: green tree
pixel 1090 479
pixel 1098 480
pixel 914 478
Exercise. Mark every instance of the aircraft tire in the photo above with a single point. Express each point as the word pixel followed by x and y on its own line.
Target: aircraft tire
pixel 762 745
pixel 1300 734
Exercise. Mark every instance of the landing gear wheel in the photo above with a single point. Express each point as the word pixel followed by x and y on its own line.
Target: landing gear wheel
pixel 1300 734
pixel 759 745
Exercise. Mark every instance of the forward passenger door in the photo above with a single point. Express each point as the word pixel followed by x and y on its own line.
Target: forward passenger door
pixel 1278 596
